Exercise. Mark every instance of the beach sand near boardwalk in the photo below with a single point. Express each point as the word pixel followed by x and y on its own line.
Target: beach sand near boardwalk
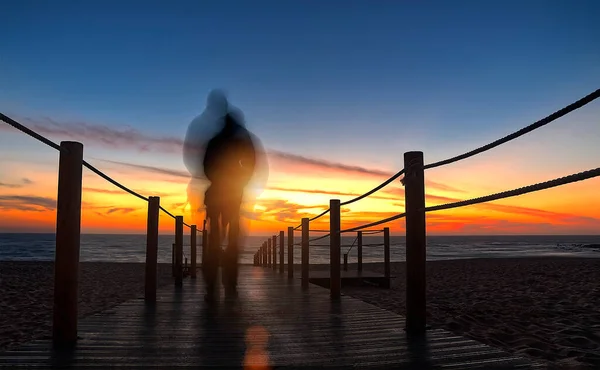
pixel 27 290
pixel 546 308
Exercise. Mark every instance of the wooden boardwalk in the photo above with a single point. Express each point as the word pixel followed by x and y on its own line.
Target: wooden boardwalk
pixel 350 277
pixel 298 328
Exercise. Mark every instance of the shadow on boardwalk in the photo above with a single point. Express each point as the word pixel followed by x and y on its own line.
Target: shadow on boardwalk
pixel 274 322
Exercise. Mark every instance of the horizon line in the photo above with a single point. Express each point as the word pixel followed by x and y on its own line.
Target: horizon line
pixel 277 234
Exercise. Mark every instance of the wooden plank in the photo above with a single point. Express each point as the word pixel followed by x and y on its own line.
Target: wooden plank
pixel 302 327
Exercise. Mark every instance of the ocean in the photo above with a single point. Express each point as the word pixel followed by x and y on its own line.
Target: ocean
pixel 131 248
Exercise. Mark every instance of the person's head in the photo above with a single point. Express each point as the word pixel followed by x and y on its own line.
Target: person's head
pixel 217 101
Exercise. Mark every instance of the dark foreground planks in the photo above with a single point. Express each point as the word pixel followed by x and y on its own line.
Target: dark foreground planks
pixel 349 277
pixel 303 328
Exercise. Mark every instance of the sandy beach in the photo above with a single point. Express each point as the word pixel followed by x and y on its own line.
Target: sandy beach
pixel 26 294
pixel 546 308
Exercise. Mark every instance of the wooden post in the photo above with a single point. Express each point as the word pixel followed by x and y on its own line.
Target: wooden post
pixel 415 242
pixel 173 259
pixel 386 256
pixel 193 251
pixel 68 232
pixel 281 252
pixel 151 249
pixel 359 245
pixel 265 259
pixel 178 250
pixel 305 256
pixel 260 256
pixel 269 255
pixel 274 238
pixel 290 252
pixel 335 281
pixel 204 243
pixel 345 261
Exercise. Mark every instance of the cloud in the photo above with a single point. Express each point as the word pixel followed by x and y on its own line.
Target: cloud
pixel 328 192
pixel 554 217
pixel 123 210
pixel 443 187
pixel 27 203
pixel 121 192
pixel 10 186
pixel 130 138
pixel 153 169
pixel 284 211
pixel 299 159
pixel 24 181
pixel 186 175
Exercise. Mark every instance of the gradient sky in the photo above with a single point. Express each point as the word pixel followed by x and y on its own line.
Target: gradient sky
pixel 336 84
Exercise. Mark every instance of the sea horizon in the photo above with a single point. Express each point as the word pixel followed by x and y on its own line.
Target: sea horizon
pixel 131 247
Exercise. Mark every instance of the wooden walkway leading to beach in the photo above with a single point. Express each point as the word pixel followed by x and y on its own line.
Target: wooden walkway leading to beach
pixel 274 322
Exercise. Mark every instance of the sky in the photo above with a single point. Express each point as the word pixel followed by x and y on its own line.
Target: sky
pixel 336 91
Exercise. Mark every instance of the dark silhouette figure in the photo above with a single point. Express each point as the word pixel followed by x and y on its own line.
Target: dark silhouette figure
pixel 229 163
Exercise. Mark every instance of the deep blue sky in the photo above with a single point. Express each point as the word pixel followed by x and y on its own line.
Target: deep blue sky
pixel 313 77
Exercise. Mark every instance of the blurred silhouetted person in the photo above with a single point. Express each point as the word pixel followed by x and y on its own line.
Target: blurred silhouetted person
pixel 229 163
pixel 220 149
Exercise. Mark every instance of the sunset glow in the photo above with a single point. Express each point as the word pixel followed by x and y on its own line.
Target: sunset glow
pixel 335 96
pixel 28 199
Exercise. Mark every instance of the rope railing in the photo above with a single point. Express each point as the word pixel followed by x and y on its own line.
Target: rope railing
pixel 540 123
pixel 414 214
pixel 86 164
pixel 374 190
pixel 68 232
pixel 585 175
pixel 544 121
pixel 30 132
pixel 115 183
pixel 354 242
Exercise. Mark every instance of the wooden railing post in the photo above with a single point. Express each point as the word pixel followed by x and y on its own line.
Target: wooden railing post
pixel 359 246
pixel 269 255
pixel 290 252
pixel 151 249
pixel 274 238
pixel 305 236
pixel 178 250
pixel 335 281
pixel 415 242
pixel 204 243
pixel 193 251
pixel 265 253
pixel 260 256
pixel 173 259
pixel 386 256
pixel 68 232
pixel 345 261
pixel 281 252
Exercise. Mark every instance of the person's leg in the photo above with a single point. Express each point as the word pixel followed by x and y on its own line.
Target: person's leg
pixel 232 249
pixel 210 271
